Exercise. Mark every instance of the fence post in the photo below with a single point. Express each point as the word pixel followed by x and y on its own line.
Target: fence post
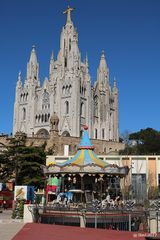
pixel 129 221
pixel 95 223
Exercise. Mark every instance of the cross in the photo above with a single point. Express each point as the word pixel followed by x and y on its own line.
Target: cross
pixel 68 12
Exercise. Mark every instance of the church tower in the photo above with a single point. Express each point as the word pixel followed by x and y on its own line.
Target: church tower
pixel 25 97
pixel 105 107
pixel 72 104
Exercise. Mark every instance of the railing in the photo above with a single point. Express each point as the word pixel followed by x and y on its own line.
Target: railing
pixel 96 216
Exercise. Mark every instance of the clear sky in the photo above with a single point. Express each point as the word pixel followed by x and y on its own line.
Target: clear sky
pixel 127 30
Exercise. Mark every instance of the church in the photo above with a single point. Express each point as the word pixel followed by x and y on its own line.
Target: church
pixel 68 93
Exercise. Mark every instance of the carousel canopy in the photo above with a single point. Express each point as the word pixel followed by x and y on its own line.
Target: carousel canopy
pixel 85 154
pixel 86 161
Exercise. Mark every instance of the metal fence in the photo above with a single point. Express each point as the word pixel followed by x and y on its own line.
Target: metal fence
pixel 125 220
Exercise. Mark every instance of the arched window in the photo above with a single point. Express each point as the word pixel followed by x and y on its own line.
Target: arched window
pixel 82 112
pixel 65 62
pixel 24 113
pixel 102 133
pixel 66 134
pixel 36 118
pixel 42 133
pixel 67 107
pixel 45 118
pixel 96 106
pixel 63 90
pixel 42 118
pixel 26 96
pixel 67 89
pixel 70 89
pixel 69 44
pixel 45 100
pixel 96 133
pixel 82 90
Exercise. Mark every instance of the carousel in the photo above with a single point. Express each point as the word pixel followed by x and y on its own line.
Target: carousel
pixel 84 178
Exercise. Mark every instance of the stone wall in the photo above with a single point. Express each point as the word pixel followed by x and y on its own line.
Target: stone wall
pixel 55 144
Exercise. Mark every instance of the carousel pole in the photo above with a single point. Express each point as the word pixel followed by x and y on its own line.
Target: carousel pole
pixel 63 182
pixel 45 196
pixel 101 180
pixel 82 185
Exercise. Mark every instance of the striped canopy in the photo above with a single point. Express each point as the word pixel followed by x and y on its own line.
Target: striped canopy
pixel 85 154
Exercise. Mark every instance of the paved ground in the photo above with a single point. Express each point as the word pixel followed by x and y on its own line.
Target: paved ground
pixel 32 231
pixel 8 226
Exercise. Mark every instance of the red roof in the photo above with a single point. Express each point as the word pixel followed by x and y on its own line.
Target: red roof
pixel 33 231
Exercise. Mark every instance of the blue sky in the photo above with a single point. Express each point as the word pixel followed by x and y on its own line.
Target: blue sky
pixel 127 30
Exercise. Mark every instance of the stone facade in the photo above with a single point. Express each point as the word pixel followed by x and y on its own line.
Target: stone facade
pixel 68 93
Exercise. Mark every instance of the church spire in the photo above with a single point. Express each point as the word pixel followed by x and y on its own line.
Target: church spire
pixel 69 54
pixel 33 57
pixel 103 64
pixel 68 12
pixel 51 68
pixel 103 73
pixel 33 66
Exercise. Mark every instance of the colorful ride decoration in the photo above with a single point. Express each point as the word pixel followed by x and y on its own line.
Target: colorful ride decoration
pixel 86 161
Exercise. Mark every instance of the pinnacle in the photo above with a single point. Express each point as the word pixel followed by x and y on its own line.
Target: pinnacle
pixel 52 56
pixel 103 54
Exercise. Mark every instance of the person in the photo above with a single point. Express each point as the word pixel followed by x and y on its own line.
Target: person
pixel 4 205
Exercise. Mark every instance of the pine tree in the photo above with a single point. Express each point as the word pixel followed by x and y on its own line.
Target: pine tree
pixel 22 163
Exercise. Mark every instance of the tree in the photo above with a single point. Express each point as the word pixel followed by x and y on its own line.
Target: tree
pixel 146 141
pixel 130 146
pixel 23 164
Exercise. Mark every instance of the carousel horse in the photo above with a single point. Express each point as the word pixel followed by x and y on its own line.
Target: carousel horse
pixel 108 202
